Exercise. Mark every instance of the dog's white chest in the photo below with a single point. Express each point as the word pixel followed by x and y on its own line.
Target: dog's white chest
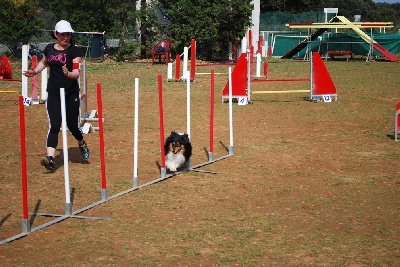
pixel 174 161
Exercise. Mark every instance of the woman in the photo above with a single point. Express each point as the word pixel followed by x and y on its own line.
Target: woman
pixel 63 59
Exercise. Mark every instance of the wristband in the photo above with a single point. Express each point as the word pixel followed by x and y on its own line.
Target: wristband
pixel 76 66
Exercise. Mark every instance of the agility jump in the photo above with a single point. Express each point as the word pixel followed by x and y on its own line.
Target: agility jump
pixel 321 84
pixel 191 74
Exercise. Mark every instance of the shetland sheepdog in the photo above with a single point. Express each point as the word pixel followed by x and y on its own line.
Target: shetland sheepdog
pixel 178 150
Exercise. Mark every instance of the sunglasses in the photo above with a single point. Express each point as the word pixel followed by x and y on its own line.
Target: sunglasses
pixel 64 34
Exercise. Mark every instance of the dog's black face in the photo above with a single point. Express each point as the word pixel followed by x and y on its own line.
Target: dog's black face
pixel 178 143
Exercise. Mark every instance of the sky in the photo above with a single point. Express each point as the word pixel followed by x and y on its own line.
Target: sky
pixel 386 1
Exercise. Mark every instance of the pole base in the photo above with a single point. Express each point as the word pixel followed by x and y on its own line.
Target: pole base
pixel 210 156
pixel 163 172
pixel 135 182
pixel 103 194
pixel 68 208
pixel 26 226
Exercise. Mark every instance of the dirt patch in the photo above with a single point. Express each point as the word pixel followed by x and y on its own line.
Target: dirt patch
pixel 309 184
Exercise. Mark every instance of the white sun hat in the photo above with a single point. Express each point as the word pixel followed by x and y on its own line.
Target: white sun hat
pixel 63 26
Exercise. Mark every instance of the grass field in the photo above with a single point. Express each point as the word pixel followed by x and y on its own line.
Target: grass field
pixel 309 184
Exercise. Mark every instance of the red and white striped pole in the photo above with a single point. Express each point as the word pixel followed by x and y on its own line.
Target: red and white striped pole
pixel 212 96
pixel 101 131
pixel 26 227
pixel 160 102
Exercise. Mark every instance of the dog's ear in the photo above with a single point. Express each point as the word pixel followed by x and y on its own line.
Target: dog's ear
pixel 169 139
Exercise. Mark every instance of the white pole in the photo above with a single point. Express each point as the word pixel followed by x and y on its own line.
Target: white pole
pixel 85 111
pixel 189 163
pixel 230 114
pixel 258 71
pixel 248 77
pixel 244 45
pixel 43 88
pixel 169 71
pixel 68 207
pixel 136 135
pixel 185 63
pixel 24 68
pixel 188 104
pixel 311 75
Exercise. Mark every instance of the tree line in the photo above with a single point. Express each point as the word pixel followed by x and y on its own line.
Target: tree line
pixel 214 24
pixel 369 11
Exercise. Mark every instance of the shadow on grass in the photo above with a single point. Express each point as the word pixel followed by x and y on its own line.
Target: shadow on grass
pixel 5 219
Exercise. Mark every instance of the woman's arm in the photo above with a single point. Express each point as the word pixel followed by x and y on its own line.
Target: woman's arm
pixel 76 68
pixel 39 68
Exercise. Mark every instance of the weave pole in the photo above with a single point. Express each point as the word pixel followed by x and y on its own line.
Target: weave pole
pixel 101 130
pixel 24 79
pixel 43 86
pixel 178 68
pixel 68 205
pixel 26 227
pixel 188 114
pixel 136 135
pixel 35 97
pixel 230 114
pixel 188 105
pixel 185 64
pixel 160 102
pixel 193 59
pixel 212 96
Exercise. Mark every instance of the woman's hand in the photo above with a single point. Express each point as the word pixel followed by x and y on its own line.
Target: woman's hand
pixel 29 73
pixel 65 70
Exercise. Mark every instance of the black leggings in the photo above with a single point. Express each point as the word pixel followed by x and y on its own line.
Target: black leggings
pixel 72 106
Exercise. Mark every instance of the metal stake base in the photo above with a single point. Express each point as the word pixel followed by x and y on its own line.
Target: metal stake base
pixel 210 156
pixel 135 182
pixel 68 208
pixel 163 172
pixel 26 226
pixel 103 194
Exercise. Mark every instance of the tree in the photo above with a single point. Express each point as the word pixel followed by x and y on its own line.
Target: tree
pixel 388 12
pixel 214 24
pixel 149 25
pixel 85 15
pixel 20 20
pixel 290 6
pixel 365 8
pixel 119 18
